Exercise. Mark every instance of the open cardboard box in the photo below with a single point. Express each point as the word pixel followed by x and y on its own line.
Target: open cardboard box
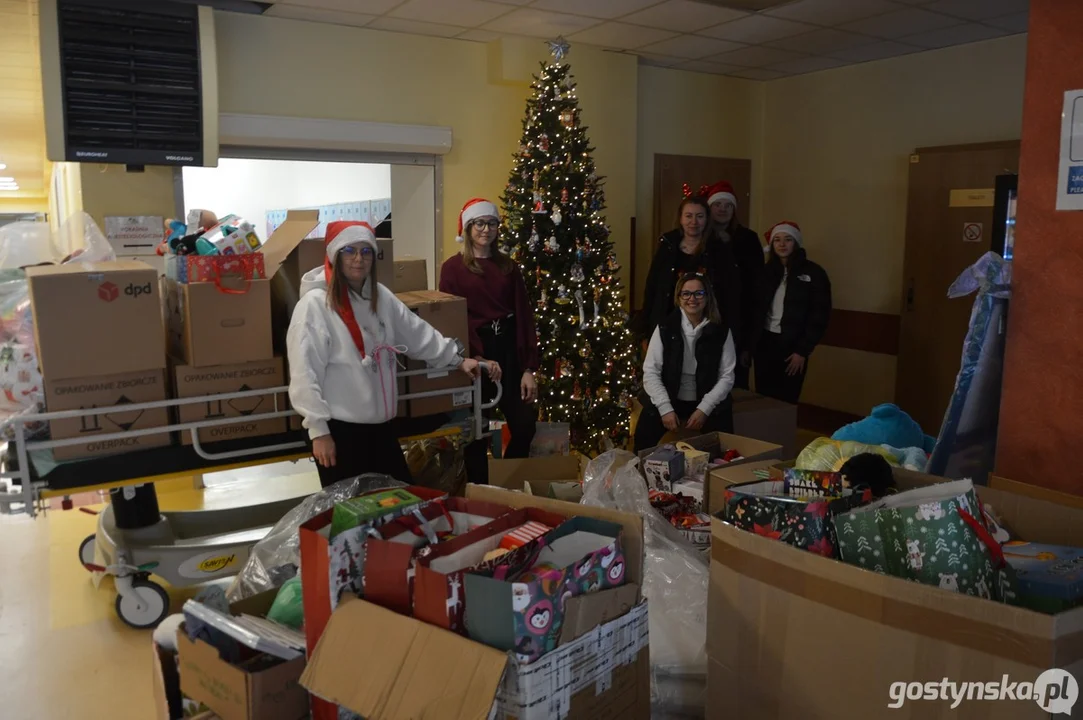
pixel 545 476
pixel 234 693
pixel 776 614
pixel 601 671
pixel 751 450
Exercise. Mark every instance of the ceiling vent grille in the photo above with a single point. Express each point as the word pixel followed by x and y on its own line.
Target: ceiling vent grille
pixel 130 80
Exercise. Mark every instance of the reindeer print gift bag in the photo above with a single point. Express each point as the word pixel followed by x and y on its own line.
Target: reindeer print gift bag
pixel 934 535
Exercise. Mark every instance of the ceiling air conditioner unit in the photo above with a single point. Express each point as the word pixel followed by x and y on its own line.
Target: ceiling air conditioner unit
pixel 132 82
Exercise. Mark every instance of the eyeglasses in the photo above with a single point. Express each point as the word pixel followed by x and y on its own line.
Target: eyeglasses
pixel 689 294
pixel 486 224
pixel 351 250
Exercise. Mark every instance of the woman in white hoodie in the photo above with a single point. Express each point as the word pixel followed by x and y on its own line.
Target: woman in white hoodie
pixel 689 370
pixel 344 340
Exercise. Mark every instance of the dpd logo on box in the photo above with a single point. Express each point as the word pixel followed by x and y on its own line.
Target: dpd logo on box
pixel 109 292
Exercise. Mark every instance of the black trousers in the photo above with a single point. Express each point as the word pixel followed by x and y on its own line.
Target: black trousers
pixel 499 345
pixel 771 363
pixel 650 430
pixel 741 374
pixel 363 448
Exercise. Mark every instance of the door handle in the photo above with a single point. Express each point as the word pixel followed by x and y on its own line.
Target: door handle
pixel 910 296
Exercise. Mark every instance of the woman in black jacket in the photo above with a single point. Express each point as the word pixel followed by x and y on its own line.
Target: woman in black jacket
pixel 690 248
pixel 688 373
pixel 795 306
pixel 747 253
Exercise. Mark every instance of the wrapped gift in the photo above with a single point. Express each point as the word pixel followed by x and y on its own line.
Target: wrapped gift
pixel 935 535
pixel 690 489
pixel 213 268
pixel 519 604
pixel 764 507
pixel 663 467
pixel 695 461
pixel 388 570
pixel 438 570
pixel 1050 577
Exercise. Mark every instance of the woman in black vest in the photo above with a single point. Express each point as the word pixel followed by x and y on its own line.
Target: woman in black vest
pixel 795 307
pixel 689 370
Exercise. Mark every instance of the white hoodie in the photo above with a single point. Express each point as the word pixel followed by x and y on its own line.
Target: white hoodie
pixel 652 371
pixel 327 378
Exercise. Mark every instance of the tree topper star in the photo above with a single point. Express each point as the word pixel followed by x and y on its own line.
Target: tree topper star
pixel 558 48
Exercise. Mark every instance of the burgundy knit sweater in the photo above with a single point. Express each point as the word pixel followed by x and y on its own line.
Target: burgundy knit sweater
pixel 492 296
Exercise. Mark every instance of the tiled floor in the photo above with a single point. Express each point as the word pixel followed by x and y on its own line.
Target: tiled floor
pixel 63 651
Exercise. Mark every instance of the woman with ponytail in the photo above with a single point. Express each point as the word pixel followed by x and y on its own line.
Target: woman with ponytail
pixel 343 343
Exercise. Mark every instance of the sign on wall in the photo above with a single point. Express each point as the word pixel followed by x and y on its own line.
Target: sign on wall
pixel 1070 177
pixel 135 235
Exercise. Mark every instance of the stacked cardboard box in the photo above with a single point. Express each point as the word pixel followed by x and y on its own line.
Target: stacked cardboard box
pixel 98 328
pixel 447 314
pixel 221 342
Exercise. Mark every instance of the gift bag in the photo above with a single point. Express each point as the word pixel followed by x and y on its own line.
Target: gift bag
pixel 392 547
pixel 766 508
pixel 213 268
pixel 934 535
pixel 519 604
pixel 438 596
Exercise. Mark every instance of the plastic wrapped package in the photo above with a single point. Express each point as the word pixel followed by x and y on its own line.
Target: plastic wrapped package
pixel 966 445
pixel 674 583
pixel 827 455
pixel 276 558
pixel 83 241
pixel 438 463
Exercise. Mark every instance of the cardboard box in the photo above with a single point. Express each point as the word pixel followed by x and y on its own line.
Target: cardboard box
pixel 234 693
pixel 107 391
pixel 447 314
pixel 424 671
pixel 721 478
pixel 385 262
pixel 409 274
pixel 776 613
pixel 535 475
pixel 209 327
pixel 766 419
pixel 191 381
pixel 96 319
pixel 751 449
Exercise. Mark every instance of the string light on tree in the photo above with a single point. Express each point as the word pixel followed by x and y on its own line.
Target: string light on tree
pixel 555 230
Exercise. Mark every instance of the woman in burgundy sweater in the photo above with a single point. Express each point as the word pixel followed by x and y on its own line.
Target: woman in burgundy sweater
pixel 501 328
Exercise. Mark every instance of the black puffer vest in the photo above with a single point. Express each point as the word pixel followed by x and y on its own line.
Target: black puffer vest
pixel 709 347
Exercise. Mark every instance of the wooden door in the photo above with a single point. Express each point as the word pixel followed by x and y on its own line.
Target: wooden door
pixel 670 173
pixel 946 232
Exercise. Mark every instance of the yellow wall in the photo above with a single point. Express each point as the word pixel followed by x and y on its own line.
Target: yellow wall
pixel 689 113
pixel 111 190
pixel 283 67
pixel 836 155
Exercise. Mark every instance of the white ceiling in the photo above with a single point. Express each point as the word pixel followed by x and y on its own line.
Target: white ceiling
pixel 22 124
pixel 792 38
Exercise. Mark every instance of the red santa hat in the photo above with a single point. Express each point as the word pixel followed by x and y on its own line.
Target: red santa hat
pixel 787 227
pixel 341 234
pixel 721 191
pixel 473 209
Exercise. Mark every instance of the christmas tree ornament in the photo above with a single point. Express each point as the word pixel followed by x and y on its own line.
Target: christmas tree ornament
pixel 597 304
pixel 564 195
pixel 567 119
pixel 534 241
pixel 551 245
pixel 577 392
pixel 566 370
pixel 539 206
pixel 524 150
pixel 543 142
pixel 582 312
pixel 556 216
pixel 577 274
pixel 562 295
pixel 558 48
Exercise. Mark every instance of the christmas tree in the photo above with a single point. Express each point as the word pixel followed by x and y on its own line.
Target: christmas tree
pixel 554 229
